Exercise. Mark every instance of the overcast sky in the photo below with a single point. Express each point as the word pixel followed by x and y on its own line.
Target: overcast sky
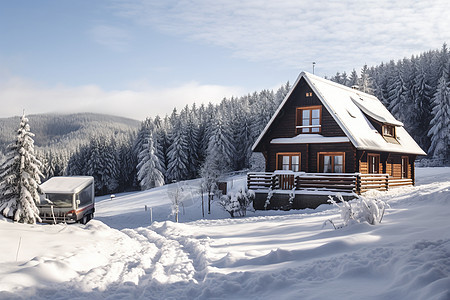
pixel 139 58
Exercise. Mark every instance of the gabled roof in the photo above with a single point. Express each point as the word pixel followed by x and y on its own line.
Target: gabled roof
pixel 350 108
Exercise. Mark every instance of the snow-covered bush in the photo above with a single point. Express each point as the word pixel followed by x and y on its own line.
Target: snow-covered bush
pixel 269 197
pixel 359 210
pixel 210 173
pixel 177 193
pixel 236 203
pixel 291 197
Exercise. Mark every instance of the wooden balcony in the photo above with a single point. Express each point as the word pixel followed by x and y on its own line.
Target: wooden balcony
pixel 340 182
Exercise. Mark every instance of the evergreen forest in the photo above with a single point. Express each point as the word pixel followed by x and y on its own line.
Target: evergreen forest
pixel 125 155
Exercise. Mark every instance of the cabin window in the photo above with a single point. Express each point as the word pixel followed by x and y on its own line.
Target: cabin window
pixel 389 130
pixel 331 162
pixel 309 119
pixel 308 94
pixel 373 160
pixel 405 163
pixel 288 161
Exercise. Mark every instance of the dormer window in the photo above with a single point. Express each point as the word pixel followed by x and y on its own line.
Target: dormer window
pixel 308 94
pixel 389 130
pixel 309 119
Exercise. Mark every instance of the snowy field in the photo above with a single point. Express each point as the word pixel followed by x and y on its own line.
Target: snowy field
pixel 268 254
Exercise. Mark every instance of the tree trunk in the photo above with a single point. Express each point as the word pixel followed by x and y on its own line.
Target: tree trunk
pixel 203 207
pixel 209 203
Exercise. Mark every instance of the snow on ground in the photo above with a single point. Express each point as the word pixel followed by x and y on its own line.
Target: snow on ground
pixel 268 254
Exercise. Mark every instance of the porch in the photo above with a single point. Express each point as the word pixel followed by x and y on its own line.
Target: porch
pixel 308 190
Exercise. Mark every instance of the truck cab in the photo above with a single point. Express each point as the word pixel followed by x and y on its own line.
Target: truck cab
pixel 67 199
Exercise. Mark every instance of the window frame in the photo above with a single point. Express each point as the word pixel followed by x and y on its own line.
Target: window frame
pixel 320 162
pixel 299 119
pixel 290 155
pixel 392 127
pixel 369 164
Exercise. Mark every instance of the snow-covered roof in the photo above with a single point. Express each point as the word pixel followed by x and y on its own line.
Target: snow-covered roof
pixel 372 107
pixel 66 185
pixel 349 108
pixel 310 139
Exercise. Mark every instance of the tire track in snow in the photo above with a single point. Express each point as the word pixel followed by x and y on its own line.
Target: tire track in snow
pixel 179 257
pixel 127 261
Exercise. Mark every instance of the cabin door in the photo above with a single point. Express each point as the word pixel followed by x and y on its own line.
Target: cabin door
pixel 290 162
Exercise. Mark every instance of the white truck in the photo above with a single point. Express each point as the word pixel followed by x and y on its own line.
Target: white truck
pixel 67 199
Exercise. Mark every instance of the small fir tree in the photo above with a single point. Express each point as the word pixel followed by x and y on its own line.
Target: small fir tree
pixel 149 167
pixel 20 178
pixel 177 168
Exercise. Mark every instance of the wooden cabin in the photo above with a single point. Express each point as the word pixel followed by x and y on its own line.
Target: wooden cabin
pixel 326 138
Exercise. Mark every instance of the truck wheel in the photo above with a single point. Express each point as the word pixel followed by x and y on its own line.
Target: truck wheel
pixel 84 220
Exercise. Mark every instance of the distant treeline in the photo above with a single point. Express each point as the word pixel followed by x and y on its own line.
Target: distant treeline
pixel 416 90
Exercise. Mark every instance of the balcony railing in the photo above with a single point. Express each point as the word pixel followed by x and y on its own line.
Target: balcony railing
pixel 333 182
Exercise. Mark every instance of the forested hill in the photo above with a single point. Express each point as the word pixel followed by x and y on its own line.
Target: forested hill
pixel 67 131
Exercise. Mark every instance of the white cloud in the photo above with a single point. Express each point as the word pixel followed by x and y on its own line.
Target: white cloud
pixel 17 94
pixel 336 34
pixel 111 37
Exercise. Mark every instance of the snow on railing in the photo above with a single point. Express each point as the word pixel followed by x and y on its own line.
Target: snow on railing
pixel 336 182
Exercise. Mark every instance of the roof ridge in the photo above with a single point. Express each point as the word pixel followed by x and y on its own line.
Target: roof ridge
pixel 335 84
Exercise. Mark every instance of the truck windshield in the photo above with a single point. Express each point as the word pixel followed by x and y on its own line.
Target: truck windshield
pixel 59 200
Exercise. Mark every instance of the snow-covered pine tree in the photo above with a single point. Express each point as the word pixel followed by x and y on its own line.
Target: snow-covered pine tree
pixel 162 146
pixel 77 164
pixel 365 81
pixel 267 107
pixel 280 94
pixel 344 78
pixel 177 168
pixel 94 166
pixel 149 167
pixel 142 136
pixel 191 131
pixel 245 139
pixel 438 64
pixel 336 78
pixel 201 132
pixel 102 165
pixel 127 163
pixel 110 166
pixel 397 94
pixel 206 126
pixel 221 145
pixel 422 106
pixel 440 124
pixel 43 158
pixel 2 158
pixel 353 80
pixel 380 82
pixel 20 178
